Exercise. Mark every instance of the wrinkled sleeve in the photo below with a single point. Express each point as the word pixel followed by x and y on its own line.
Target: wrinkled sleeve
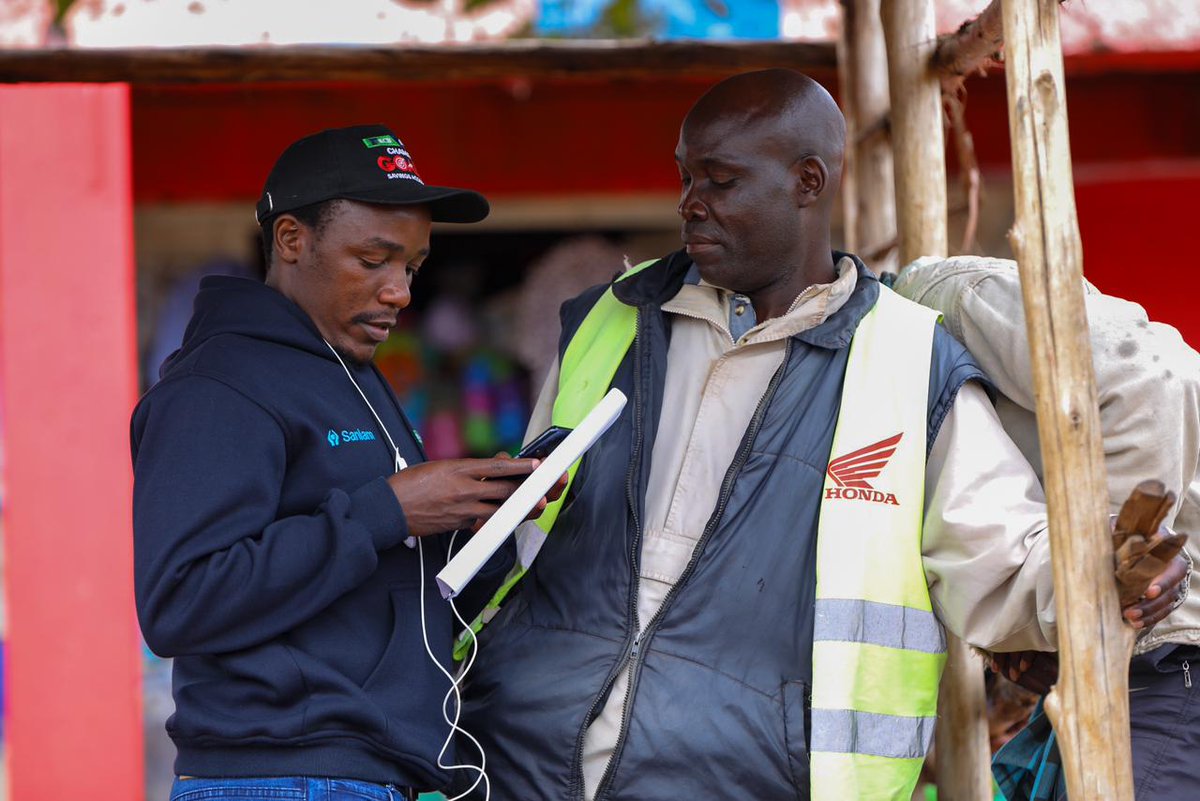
pixel 986 553
pixel 216 567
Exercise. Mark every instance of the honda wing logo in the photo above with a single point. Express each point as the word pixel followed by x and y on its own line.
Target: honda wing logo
pixel 850 473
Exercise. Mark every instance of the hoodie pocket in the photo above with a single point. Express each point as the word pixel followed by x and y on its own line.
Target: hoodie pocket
pixel 797 722
pixel 405 686
pixel 393 696
pixel 405 654
pixel 258 692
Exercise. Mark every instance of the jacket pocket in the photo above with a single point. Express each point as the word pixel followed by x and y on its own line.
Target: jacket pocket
pixel 404 659
pixel 258 692
pixel 394 702
pixel 797 724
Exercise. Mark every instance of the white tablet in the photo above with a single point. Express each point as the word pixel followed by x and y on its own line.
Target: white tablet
pixel 463 567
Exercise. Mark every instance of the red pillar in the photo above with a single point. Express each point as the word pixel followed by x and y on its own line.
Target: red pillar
pixel 68 381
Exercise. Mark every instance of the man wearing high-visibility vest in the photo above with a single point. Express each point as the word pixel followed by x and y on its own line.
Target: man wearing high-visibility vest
pixel 743 593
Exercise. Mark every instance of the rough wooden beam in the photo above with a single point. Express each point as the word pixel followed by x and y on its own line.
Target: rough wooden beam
pixel 519 58
pixel 849 189
pixel 972 47
pixel 968 164
pixel 962 758
pixel 916 129
pixel 869 189
pixel 1089 705
pixel 963 762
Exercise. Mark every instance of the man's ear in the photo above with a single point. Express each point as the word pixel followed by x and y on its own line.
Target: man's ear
pixel 811 176
pixel 291 237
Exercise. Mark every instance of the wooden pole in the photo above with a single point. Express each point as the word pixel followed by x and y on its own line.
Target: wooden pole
pixel 962 755
pixel 1090 705
pixel 963 758
pixel 849 188
pixel 916 95
pixel 868 193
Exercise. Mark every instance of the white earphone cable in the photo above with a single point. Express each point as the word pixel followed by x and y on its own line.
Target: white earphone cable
pixel 454 691
pixel 400 463
pixel 456 694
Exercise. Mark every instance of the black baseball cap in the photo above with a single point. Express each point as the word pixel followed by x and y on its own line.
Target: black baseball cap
pixel 364 162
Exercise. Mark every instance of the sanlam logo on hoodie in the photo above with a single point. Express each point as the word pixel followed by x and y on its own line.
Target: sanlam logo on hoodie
pixel 335 438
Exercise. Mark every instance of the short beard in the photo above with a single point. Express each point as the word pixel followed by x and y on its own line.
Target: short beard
pixel 350 358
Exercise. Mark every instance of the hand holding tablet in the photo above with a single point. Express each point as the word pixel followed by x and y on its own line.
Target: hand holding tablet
pixel 463 567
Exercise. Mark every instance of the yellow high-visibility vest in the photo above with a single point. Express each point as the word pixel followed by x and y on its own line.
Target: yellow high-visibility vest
pixel 878 650
pixel 588 365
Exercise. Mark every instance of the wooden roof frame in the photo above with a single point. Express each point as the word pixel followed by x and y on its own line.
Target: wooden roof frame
pixel 532 58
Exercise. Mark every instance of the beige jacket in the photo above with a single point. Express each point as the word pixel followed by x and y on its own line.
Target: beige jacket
pixel 1147 378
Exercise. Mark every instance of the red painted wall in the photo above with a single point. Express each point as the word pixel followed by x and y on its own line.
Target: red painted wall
pixel 1139 239
pixel 595 137
pixel 564 137
pixel 217 143
pixel 68 378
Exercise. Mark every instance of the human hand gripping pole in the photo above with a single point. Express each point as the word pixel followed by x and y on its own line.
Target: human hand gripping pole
pixel 463 567
pixel 1151 569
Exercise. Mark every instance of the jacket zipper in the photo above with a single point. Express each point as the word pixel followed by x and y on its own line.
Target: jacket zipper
pixel 632 638
pixel 1187 674
pixel 635 653
pixel 704 319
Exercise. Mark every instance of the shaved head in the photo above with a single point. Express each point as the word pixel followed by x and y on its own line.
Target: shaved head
pixel 760 160
pixel 785 104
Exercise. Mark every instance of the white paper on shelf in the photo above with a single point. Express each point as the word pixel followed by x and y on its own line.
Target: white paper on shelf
pixel 467 562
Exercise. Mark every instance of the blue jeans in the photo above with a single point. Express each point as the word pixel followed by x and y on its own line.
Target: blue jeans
pixel 287 788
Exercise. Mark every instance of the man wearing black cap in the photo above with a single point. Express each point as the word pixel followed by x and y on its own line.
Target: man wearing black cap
pixel 277 481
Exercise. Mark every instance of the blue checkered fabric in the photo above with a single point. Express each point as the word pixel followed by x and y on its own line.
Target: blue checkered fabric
pixel 1028 767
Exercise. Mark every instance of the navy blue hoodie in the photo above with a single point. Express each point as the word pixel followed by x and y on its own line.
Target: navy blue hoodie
pixel 269 559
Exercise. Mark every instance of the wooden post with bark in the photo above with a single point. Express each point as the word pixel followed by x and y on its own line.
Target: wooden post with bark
pixel 868 184
pixel 1089 706
pixel 962 754
pixel 917 138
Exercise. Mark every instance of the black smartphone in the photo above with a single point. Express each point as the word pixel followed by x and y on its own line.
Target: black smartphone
pixel 541 445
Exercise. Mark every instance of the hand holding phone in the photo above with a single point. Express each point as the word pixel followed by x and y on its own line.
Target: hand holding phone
pixel 541 445
pixel 539 448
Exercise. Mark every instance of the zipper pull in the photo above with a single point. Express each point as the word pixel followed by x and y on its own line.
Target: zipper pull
pixel 1187 674
pixel 637 645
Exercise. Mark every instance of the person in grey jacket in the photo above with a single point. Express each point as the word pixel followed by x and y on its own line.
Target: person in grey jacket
pixel 1148 384
pixel 661 645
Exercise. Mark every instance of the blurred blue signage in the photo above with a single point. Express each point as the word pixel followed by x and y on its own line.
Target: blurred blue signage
pixel 669 19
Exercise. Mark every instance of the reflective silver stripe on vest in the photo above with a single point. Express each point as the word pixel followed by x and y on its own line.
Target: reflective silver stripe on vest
pixel 844 731
pixel 856 620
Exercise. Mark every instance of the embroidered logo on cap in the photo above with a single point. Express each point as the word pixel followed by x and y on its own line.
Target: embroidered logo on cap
pixel 398 164
pixel 382 141
pixel 850 473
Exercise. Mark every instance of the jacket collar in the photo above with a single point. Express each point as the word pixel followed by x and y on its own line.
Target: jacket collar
pixel 837 331
pixel 656 283
pixel 662 281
